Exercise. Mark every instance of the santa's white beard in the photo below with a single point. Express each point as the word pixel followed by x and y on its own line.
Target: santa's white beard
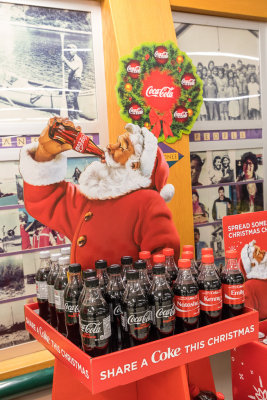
pixel 102 181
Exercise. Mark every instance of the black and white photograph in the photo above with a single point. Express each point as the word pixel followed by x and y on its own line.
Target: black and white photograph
pixel 47 64
pixel 249 197
pixel 11 277
pixel 12 324
pixel 249 165
pixel 227 61
pixel 209 236
pixel 199 172
pixel 10 239
pixel 221 167
pixel 76 165
pixel 8 188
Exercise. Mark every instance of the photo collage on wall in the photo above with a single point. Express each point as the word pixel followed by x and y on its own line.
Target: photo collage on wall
pixel 22 237
pixel 223 183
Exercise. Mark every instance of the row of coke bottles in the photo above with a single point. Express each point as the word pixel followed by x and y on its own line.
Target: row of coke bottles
pixel 125 305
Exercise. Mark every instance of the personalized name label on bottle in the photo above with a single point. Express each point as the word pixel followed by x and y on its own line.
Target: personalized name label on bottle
pixel 233 294
pixel 187 306
pixel 210 300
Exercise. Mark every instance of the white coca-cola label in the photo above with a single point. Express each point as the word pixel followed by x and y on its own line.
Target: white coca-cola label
pixel 101 328
pixel 51 297
pixel 136 111
pixel 117 310
pixel 139 318
pixel 134 70
pixel 41 290
pixel 80 143
pixel 182 114
pixel 188 82
pixel 165 312
pixel 163 54
pixel 166 91
pixel 91 327
pixel 59 299
pixel 71 308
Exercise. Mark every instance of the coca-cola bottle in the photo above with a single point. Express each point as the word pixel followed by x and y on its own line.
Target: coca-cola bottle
pixel 95 325
pixel 71 297
pixel 197 394
pixel 126 264
pixel 170 263
pixel 162 305
pixel 140 266
pixel 86 274
pixel 188 255
pixel 146 255
pixel 233 286
pixel 160 259
pixel 61 282
pixel 210 292
pixel 50 285
pixel 186 299
pixel 101 273
pixel 64 131
pixel 136 315
pixel 114 294
pixel 41 284
pixel 65 251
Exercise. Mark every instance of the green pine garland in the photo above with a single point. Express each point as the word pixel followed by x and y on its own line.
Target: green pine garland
pixel 191 98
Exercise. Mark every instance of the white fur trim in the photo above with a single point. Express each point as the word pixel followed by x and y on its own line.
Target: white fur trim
pixel 149 154
pixel 41 173
pixel 259 272
pixel 167 192
pixel 245 258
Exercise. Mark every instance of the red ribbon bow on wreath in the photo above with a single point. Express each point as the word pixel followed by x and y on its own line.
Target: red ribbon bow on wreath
pixel 166 119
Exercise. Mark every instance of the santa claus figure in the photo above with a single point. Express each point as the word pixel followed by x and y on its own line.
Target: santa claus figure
pixel 119 206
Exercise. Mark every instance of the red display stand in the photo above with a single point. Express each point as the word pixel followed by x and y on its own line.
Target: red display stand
pixel 153 370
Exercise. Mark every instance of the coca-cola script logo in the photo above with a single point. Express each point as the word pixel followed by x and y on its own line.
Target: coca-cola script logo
pixel 188 81
pixel 160 91
pixel 135 112
pixel 117 310
pixel 165 313
pixel 92 327
pixel 180 114
pixel 133 69
pixel 139 319
pixel 80 143
pixel 161 55
pixel 71 308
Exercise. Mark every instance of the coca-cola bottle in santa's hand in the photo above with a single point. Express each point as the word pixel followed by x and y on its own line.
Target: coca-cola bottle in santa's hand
pixel 61 282
pixel 41 284
pixel 86 274
pixel 95 326
pixel 146 255
pixel 64 131
pixel 71 297
pixel 114 294
pixel 233 286
pixel 197 394
pixel 126 264
pixel 136 315
pixel 188 255
pixel 140 266
pixel 54 269
pixel 170 263
pixel 210 292
pixel 162 305
pixel 186 299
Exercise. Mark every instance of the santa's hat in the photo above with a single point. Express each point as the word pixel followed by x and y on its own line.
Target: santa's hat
pixel 152 162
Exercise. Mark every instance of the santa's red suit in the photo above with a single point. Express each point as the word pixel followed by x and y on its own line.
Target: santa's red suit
pixel 99 229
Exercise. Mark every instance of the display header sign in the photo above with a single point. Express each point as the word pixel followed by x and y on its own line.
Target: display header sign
pixel 247 234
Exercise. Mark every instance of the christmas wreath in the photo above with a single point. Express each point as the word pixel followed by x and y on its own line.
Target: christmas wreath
pixel 157 87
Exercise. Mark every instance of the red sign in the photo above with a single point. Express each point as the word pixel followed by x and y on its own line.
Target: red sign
pixel 125 366
pixel 160 91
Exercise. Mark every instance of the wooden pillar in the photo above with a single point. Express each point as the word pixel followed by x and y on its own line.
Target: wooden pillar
pixel 126 25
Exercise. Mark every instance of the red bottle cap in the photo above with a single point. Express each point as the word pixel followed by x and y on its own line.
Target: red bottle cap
pixel 187 255
pixel 220 396
pixel 188 247
pixel 231 254
pixel 194 390
pixel 184 264
pixel 168 251
pixel 206 250
pixel 158 258
pixel 144 255
pixel 207 259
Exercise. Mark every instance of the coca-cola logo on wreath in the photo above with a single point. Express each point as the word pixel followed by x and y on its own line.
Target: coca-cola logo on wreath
pixel 158 88
pixel 134 69
pixel 135 112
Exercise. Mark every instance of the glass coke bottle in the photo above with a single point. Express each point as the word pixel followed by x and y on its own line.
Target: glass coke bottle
pixel 61 282
pixel 160 259
pixel 41 284
pixel 50 283
pixel 101 273
pixel 146 255
pixel 126 264
pixel 140 266
pixel 170 263
pixel 86 274
pixel 188 255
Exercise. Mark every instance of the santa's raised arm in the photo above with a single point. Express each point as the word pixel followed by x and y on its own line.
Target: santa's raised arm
pixel 117 209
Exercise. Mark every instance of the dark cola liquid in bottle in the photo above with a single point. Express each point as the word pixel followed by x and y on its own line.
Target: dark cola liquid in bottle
pixel 188 255
pixel 101 273
pixel 170 264
pixel 54 269
pixel 71 297
pixel 146 256
pixel 162 305
pixel 127 265
pixel 114 294
pixel 197 394
pixel 86 274
pixel 95 325
pixel 144 280
pixel 41 285
pixel 186 299
pixel 136 315
pixel 61 282
pixel 210 292
pixel 233 287
pixel 160 259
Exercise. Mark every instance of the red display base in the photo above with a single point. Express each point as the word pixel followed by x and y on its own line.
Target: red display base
pixel 131 365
